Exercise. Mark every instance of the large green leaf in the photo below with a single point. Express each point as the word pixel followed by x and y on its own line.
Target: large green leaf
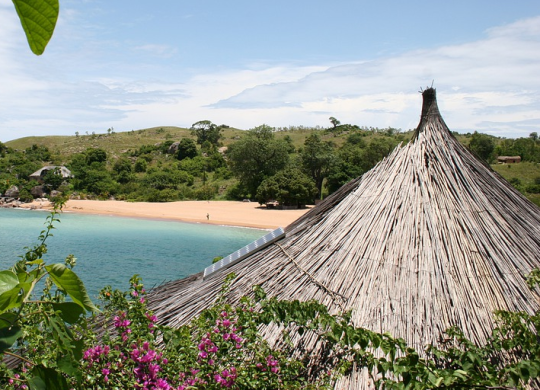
pixel 7 319
pixel 8 336
pixel 9 290
pixel 68 281
pixel 47 379
pixel 8 281
pixel 10 299
pixel 38 19
pixel 69 311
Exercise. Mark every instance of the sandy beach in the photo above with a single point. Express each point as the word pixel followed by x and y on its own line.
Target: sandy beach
pixel 246 214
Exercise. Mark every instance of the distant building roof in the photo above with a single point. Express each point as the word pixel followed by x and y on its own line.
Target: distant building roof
pixel 39 174
pixel 509 158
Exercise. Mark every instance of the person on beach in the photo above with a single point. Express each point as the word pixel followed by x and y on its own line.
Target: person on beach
pixel 207 216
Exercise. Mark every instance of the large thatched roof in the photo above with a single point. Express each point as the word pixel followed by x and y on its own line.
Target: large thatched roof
pixel 429 238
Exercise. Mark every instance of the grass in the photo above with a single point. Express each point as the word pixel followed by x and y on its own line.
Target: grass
pixel 526 172
pixel 115 144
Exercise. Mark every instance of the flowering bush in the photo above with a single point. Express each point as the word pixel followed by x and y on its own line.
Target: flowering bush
pixel 220 349
pixel 54 346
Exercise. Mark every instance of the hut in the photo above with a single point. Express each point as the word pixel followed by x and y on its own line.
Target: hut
pixel 430 238
pixel 40 173
pixel 509 159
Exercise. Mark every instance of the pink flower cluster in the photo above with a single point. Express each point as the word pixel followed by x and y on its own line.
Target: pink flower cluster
pixel 121 323
pixel 190 381
pixel 98 355
pixel 224 331
pixel 152 319
pixel 148 366
pixel 226 378
pixel 228 328
pixel 206 347
pixel 271 364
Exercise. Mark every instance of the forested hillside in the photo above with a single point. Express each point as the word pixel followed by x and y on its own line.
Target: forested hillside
pixel 293 166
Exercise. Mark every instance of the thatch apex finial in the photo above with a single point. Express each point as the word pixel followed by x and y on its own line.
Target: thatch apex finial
pixel 430 109
pixel 429 105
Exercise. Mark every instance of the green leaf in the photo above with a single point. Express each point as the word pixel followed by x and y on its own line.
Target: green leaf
pixel 36 262
pixel 8 336
pixel 78 347
pixel 38 19
pixel 36 383
pixel 8 281
pixel 67 366
pixel 69 311
pixel 47 379
pixel 10 299
pixel 68 281
pixel 9 290
pixel 7 319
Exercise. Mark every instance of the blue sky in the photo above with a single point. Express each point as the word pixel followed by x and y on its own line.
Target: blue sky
pixel 137 64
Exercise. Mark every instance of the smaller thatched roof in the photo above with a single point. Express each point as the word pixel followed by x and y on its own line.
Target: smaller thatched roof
pixel 40 173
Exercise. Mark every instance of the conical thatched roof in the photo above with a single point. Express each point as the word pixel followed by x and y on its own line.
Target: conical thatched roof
pixel 429 238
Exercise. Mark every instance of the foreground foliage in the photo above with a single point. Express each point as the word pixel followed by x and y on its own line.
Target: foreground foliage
pixel 50 343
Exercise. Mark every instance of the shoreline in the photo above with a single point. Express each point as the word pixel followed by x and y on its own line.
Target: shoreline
pixel 227 213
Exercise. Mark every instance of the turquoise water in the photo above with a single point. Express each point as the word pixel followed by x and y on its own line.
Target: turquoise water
pixel 109 250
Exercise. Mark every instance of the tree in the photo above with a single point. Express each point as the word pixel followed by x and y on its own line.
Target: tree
pixel 317 158
pixel 349 165
pixel 377 149
pixel 124 170
pixel 482 145
pixel 256 156
pixel 290 187
pixel 186 149
pixel 140 165
pixel 334 122
pixel 526 148
pixel 53 179
pixel 207 131
pixel 95 155
pixel 37 153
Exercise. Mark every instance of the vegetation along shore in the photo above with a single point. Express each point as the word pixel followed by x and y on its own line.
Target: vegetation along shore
pixel 291 167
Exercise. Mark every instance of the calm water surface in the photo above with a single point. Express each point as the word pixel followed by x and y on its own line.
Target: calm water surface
pixel 109 250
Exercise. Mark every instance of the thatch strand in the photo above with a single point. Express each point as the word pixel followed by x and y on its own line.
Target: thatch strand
pixel 429 238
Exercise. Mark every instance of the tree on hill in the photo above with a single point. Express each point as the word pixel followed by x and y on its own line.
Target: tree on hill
pixel 317 158
pixel 95 155
pixel 334 122
pixel 207 131
pixel 377 149
pixel 482 145
pixel 123 170
pixel 290 187
pixel 37 153
pixel 53 179
pixel 256 156
pixel 186 149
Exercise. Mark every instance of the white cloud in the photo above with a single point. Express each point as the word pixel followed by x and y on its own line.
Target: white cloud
pixel 163 51
pixel 491 85
pixel 487 85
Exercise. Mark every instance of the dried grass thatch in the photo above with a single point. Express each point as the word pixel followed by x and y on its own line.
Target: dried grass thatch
pixel 429 238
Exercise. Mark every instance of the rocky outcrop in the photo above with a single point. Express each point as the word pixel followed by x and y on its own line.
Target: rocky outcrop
pixel 37 192
pixel 12 192
pixel 173 149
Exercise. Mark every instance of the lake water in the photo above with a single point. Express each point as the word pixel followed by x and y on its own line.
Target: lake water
pixel 109 250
